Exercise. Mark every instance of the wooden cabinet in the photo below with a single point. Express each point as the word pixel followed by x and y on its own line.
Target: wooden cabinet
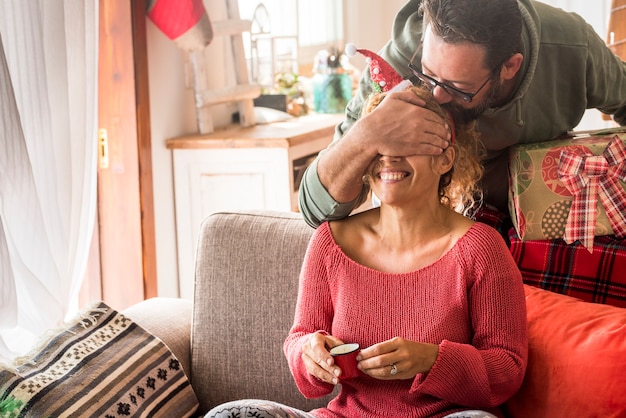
pixel 240 168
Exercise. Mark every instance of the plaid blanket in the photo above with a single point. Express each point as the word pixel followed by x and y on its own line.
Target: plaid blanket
pixel 501 222
pixel 571 270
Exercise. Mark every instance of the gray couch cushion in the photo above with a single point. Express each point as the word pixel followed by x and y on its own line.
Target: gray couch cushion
pixel 173 329
pixel 247 270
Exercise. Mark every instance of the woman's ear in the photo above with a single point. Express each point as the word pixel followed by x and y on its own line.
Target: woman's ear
pixel 445 161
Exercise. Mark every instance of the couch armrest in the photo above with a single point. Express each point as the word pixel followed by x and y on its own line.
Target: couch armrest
pixel 246 286
pixel 169 319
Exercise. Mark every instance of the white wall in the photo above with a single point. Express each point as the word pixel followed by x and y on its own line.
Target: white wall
pixel 173 113
pixel 367 24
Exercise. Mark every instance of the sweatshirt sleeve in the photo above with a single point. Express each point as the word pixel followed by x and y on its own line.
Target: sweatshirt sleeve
pixel 606 78
pixel 317 205
pixel 487 372
pixel 314 201
pixel 314 311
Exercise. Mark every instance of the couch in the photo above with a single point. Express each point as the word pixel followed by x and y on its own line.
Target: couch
pixel 229 339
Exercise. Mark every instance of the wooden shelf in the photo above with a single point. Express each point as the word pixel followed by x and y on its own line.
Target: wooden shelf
pixel 285 134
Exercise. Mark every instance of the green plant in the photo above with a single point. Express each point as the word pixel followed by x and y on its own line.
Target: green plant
pixel 10 407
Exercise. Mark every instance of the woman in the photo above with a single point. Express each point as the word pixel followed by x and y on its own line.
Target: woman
pixel 434 299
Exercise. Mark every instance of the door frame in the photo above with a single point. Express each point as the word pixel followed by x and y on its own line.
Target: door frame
pixel 122 265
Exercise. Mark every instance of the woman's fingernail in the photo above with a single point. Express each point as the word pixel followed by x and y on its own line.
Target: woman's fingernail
pixel 335 380
pixel 336 372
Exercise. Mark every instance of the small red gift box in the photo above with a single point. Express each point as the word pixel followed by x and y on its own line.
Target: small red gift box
pixel 569 188
pixel 572 270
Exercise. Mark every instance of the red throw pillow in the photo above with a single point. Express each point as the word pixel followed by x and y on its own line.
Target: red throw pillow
pixel 576 361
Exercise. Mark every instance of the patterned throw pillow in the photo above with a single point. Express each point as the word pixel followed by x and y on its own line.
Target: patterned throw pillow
pixel 103 365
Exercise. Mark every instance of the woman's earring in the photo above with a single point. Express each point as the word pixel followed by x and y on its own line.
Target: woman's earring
pixel 366 179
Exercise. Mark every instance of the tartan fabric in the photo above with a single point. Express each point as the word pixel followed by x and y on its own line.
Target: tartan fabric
pixel 571 270
pixel 590 177
pixel 491 216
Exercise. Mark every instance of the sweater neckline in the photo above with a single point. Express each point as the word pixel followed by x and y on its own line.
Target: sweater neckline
pixel 452 252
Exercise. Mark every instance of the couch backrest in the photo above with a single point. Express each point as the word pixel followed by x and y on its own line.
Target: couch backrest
pixel 246 283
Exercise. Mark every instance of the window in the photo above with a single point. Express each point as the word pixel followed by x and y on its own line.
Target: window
pixel 286 34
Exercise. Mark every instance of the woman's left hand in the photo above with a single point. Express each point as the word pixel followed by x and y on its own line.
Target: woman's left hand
pixel 397 358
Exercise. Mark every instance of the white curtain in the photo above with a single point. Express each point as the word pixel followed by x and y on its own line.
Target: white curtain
pixel 48 157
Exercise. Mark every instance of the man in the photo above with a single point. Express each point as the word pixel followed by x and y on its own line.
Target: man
pixel 524 70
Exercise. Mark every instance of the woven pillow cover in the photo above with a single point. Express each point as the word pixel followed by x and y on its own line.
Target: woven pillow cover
pixel 102 365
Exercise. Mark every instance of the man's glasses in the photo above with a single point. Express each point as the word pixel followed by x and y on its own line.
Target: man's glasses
pixel 431 83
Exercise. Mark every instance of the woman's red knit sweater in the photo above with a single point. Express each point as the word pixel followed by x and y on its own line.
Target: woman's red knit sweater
pixel 470 302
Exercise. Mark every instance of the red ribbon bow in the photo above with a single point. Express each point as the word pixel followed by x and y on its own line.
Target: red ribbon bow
pixel 588 177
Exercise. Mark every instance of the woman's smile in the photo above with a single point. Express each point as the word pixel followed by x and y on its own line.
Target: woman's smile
pixel 392 175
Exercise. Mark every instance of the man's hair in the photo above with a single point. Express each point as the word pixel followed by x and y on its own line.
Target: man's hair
pixel 494 24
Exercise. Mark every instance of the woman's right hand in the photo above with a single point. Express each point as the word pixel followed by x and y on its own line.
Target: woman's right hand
pixel 317 358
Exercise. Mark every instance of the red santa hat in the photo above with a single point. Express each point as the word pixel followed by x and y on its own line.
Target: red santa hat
pixel 385 77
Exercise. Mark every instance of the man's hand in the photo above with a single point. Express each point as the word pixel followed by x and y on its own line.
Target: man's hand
pixel 399 126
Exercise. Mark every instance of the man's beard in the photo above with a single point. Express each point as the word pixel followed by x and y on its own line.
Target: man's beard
pixel 464 115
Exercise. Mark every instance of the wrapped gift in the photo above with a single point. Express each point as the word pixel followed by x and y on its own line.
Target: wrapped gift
pixel 572 188
pixel 572 270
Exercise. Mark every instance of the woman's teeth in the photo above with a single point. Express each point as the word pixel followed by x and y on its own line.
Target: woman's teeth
pixel 392 176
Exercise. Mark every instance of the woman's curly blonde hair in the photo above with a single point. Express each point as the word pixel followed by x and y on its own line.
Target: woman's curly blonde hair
pixel 459 188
